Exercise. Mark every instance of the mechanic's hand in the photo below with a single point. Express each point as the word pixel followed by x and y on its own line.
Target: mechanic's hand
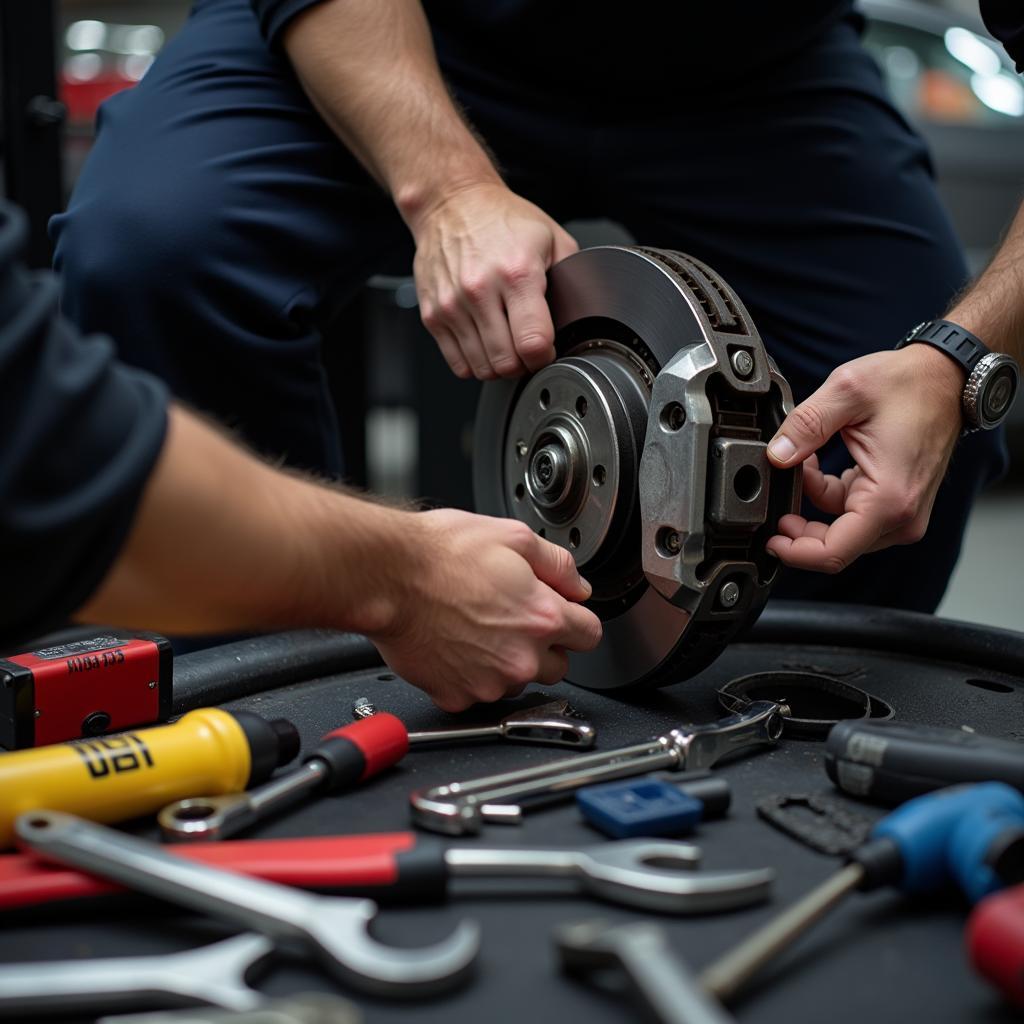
pixel 899 415
pixel 489 607
pixel 482 254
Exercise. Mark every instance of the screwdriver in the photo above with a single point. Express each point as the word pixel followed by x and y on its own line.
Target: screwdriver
pixel 344 758
pixel 121 776
pixel 971 835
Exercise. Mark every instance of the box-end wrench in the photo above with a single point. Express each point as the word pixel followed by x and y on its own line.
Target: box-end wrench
pixel 219 974
pixel 461 807
pixel 555 723
pixel 660 979
pixel 334 928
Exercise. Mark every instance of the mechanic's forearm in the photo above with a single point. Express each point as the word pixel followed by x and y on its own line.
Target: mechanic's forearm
pixel 224 542
pixel 369 68
pixel 993 307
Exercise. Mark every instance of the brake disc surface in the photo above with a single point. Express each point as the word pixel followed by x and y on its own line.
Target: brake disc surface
pixel 641 449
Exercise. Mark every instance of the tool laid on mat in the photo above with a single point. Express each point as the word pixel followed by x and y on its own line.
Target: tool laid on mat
pixel 334 929
pixel 88 687
pixel 114 778
pixel 995 941
pixel 664 984
pixel 461 807
pixel 816 821
pixel 406 866
pixel 555 723
pixel 970 835
pixel 890 762
pixel 343 759
pixel 656 805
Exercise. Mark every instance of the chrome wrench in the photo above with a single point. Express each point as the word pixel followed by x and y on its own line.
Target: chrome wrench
pixel 335 929
pixel 461 807
pixel 554 723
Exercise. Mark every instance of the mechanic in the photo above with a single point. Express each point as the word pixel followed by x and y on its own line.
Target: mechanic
pixel 264 167
pixel 123 508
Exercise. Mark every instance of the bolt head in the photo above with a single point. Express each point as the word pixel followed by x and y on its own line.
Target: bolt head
pixel 521 449
pixel 672 542
pixel 152 684
pixel 729 594
pixel 742 363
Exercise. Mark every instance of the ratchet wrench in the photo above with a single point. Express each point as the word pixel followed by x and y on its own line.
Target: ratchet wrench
pixel 461 807
pixel 333 928
pixel 648 874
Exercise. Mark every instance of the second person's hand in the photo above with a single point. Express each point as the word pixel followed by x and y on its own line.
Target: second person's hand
pixel 482 256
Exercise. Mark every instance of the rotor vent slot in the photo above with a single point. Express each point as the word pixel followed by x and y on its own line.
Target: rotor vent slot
pixel 716 303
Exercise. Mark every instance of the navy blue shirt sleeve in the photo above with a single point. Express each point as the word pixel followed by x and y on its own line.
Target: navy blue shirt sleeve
pixel 79 435
pixel 1005 20
pixel 273 15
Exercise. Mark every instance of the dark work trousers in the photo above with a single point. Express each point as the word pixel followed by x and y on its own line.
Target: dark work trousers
pixel 218 222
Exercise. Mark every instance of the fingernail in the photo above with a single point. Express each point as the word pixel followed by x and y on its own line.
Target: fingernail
pixel 770 551
pixel 586 586
pixel 782 448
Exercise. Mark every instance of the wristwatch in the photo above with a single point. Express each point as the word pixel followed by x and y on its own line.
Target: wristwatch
pixel 992 377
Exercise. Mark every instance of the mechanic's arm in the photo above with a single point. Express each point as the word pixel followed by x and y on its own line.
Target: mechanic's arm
pixel 481 251
pixel 467 607
pixel 899 414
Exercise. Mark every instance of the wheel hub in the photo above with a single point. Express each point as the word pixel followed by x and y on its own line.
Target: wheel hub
pixel 641 449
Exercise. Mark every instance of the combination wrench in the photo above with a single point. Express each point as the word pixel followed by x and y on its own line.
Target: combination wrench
pixel 461 807
pixel 333 928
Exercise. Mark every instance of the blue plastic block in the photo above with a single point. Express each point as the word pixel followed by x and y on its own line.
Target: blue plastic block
pixel 639 807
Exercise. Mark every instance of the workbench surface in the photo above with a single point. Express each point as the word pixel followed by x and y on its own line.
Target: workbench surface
pixel 879 957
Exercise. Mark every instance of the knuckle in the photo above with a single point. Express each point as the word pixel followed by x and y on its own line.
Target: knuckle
pixel 430 316
pixel 809 419
pixel 847 381
pixel 901 507
pixel 521 667
pixel 518 271
pixel 519 534
pixel 447 307
pixel 506 365
pixel 534 343
pixel 915 531
pixel 475 287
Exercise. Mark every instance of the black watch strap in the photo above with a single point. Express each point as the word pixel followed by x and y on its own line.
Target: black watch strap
pixel 957 342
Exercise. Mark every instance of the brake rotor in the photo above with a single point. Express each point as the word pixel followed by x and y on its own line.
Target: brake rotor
pixel 642 450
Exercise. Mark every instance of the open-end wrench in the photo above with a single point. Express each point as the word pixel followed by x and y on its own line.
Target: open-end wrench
pixel 408 866
pixel 334 928
pixel 660 979
pixel 554 723
pixel 219 974
pixel 461 807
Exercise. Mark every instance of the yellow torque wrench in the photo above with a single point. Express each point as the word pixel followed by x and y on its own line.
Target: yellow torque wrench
pixel 114 778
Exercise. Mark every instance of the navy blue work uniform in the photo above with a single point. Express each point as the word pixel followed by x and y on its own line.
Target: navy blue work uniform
pixel 218 221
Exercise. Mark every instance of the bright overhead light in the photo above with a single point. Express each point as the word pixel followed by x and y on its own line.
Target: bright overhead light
pixel 973 51
pixel 83 67
pixel 1002 93
pixel 139 39
pixel 85 35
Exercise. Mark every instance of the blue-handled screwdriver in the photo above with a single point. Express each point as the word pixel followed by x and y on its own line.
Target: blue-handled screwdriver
pixel 972 836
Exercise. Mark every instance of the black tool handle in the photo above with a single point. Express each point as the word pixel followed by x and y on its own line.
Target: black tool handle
pixel 890 762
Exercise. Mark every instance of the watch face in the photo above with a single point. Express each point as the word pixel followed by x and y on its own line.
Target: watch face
pixel 997 393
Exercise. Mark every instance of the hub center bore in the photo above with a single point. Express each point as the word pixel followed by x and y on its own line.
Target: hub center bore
pixel 549 470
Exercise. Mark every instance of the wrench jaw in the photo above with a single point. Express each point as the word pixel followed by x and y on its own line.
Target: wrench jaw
pixel 554 723
pixel 205 818
pixel 440 809
pixel 361 962
pixel 703 746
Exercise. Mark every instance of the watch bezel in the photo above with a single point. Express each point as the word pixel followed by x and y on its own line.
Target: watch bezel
pixel 980 380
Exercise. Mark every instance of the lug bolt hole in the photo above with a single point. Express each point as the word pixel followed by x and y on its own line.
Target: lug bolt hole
pixel 520 491
pixel 581 407
pixel 673 416
pixel 574 538
pixel 542 532
pixel 599 476
pixel 545 398
pixel 668 542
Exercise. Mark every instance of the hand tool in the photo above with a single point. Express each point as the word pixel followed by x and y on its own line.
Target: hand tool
pixel 100 684
pixel 460 807
pixel 641 449
pixel 333 928
pixel 114 778
pixel 305 1008
pixel 405 866
pixel 973 835
pixel 995 941
pixel 216 975
pixel 662 981
pixel 555 723
pixel 344 758
pixel 816 701
pixel 890 762
pixel 656 805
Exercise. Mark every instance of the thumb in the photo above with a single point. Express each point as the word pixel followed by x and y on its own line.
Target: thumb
pixel 554 566
pixel 833 406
